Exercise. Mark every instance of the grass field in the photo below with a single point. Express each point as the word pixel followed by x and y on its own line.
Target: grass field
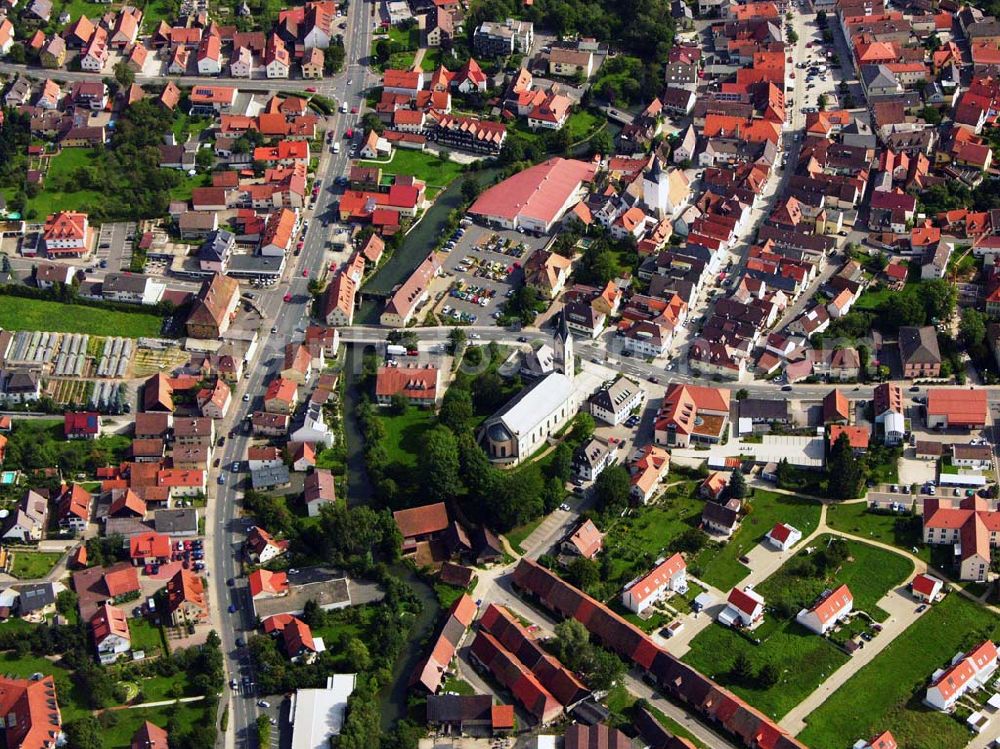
pixel 405 433
pixel 31 565
pixel 186 187
pixel 582 124
pixel 67 162
pixel 722 568
pixel 146 636
pixel 870 572
pixel 120 735
pixel 886 694
pixel 903 531
pixel 71 702
pixel 19 313
pixel 804 659
pixel 636 541
pixel 424 166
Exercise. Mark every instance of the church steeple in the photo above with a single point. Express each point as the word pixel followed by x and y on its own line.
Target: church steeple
pixel 563 345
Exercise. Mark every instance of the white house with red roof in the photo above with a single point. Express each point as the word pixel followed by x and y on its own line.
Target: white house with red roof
pixel 261 547
pixel 926 588
pixel 967 671
pixel 884 740
pixel 744 608
pixel 831 607
pixel 66 233
pixel 586 541
pixel 783 536
pixel 111 634
pixel 266 584
pixel 669 576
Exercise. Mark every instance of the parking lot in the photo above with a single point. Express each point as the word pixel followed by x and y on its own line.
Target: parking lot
pixel 114 246
pixel 482 270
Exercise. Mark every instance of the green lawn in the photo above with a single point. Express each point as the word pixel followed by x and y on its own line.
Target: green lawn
pixel 431 60
pixel 78 8
pixel 871 299
pixel 155 11
pixel 184 190
pixel 447 594
pixel 634 542
pixel 870 572
pixel 722 568
pixel 68 161
pixel 405 434
pixel 454 684
pixel 19 313
pixel 804 659
pixel 582 124
pixel 185 125
pixel 146 636
pixel 406 39
pixel 401 60
pixel 31 565
pixel 71 702
pixel 187 715
pixel 886 694
pixel 424 166
pixel 903 531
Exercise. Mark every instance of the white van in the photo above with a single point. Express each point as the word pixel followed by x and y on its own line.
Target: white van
pixel 344 108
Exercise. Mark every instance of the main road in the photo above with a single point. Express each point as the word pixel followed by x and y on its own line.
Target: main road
pixel 232 616
pixel 596 352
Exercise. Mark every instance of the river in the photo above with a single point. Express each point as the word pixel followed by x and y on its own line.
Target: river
pixel 359 488
pixel 395 698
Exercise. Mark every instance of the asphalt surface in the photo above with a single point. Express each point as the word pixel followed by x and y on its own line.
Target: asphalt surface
pixel 225 529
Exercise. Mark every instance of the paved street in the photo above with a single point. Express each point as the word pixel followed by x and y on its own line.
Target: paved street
pixel 225 529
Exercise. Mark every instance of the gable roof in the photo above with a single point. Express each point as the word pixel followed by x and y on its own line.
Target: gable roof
pixel 420 521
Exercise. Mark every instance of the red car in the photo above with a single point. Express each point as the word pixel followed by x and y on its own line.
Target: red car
pixel 311 89
pixel 349 133
pixel 287 297
pixel 305 274
pixel 354 110
pixel 791 75
pixel 789 59
pixel 298 246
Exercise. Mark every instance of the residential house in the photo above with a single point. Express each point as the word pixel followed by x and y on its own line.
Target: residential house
pixel 186 598
pixel 919 352
pixel 783 536
pixel 744 609
pixel 585 541
pixel 109 629
pixel 972 670
pixel 721 519
pixel 591 458
pixel 667 577
pixel 827 611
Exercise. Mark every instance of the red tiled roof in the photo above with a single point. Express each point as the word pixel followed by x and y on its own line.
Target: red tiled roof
pixel 265 581
pixel 420 521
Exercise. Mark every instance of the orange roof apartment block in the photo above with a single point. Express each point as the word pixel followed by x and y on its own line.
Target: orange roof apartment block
pixel 66 234
pixel 31 713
